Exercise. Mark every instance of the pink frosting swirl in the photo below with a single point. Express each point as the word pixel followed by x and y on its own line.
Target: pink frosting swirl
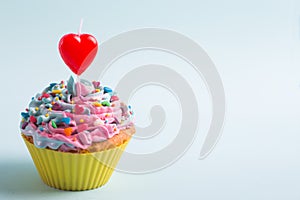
pixel 73 116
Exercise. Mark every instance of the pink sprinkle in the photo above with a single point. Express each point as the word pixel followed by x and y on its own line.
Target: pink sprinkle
pixel 32 119
pixel 114 98
pixel 46 95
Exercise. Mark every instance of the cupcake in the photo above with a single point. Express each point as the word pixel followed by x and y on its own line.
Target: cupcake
pixel 76 132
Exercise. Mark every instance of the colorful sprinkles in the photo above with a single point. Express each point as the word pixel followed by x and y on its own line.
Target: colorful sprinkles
pixel 59 111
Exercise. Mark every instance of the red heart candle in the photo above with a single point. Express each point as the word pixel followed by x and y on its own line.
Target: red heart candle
pixel 78 51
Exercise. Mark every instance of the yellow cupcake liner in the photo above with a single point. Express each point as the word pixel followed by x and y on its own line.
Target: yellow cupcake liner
pixel 73 171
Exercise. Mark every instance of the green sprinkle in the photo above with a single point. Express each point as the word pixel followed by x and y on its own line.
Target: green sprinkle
pixel 105 103
pixel 53 124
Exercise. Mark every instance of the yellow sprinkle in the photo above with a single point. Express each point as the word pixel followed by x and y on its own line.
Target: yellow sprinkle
pixel 50 109
pixel 56 91
pixel 72 102
pixel 56 98
pixel 81 120
pixel 97 104
pixel 97 90
pixel 62 86
pixel 47 115
pixel 36 108
pixel 23 120
pixel 61 95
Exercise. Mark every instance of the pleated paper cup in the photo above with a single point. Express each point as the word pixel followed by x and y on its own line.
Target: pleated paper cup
pixel 74 171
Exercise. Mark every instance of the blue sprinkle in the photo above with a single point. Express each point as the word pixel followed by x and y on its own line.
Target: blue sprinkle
pixel 41 128
pixel 107 90
pixel 66 120
pixel 32 98
pixel 25 115
pixel 52 84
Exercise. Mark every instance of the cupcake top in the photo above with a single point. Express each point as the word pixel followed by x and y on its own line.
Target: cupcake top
pixel 74 115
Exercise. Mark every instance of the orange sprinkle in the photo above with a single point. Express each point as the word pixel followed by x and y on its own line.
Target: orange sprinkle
pixel 97 104
pixel 68 131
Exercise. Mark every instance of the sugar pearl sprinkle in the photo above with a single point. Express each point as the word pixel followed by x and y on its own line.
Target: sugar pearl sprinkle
pixel 68 113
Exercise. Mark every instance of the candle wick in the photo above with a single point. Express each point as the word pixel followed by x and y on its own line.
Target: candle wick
pixel 80 27
pixel 78 86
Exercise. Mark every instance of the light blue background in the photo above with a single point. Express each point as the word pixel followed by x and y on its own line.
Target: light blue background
pixel 255 46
